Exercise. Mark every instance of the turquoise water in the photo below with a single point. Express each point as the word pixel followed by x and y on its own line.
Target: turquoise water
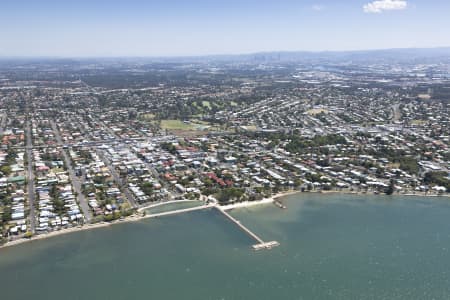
pixel 332 247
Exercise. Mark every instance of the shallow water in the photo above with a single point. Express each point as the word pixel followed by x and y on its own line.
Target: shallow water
pixel 173 206
pixel 332 247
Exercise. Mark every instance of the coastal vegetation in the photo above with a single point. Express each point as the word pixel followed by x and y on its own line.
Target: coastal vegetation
pixel 439 178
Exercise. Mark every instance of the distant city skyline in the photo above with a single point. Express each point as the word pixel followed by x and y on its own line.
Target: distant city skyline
pixel 186 28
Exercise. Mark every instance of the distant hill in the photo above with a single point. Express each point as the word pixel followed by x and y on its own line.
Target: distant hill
pixel 378 55
pixel 383 55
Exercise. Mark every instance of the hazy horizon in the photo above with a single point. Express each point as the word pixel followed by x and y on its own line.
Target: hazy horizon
pixel 175 28
pixel 318 52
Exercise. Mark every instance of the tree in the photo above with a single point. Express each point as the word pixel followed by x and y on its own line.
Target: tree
pixel 169 147
pixel 147 188
pixel 391 188
pixel 6 217
pixel 228 194
pixel 409 165
pixel 208 182
pixel 54 191
pixel 6 170
pixel 438 178
pixel 297 182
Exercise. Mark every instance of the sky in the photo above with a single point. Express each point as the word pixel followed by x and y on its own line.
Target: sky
pixel 96 28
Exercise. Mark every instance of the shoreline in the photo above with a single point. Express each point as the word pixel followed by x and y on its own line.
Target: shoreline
pixel 133 218
pixel 138 217
pixel 271 199
pixel 371 193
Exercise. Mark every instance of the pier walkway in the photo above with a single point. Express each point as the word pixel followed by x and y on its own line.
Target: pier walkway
pixel 261 244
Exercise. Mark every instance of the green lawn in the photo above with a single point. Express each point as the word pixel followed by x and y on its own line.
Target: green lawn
pixel 250 127
pixel 206 104
pixel 193 125
pixel 199 122
pixel 147 117
pixel 176 125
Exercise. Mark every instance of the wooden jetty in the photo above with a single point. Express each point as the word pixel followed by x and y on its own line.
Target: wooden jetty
pixel 279 204
pixel 261 244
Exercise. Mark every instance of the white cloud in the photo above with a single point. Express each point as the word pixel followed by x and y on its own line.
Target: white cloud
pixel 317 7
pixel 383 5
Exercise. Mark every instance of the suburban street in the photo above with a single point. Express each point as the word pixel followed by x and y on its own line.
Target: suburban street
pixel 111 168
pixel 118 180
pixel 30 178
pixel 3 119
pixel 75 180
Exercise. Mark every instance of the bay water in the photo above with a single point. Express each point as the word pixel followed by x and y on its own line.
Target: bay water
pixel 332 246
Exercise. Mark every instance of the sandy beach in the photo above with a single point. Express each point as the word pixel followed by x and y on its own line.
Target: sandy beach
pixel 247 203
pixel 258 202
pixel 71 230
pixel 140 216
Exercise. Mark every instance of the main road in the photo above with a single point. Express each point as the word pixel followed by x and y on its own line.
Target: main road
pixel 123 186
pixel 396 112
pixel 3 118
pixel 30 177
pixel 75 180
pixel 149 166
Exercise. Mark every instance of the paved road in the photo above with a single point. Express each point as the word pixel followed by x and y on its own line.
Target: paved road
pixel 87 144
pixel 75 180
pixel 148 165
pixel 3 118
pixel 131 199
pixel 396 113
pixel 30 178
pixel 156 176
pixel 3 123
pixel 118 180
